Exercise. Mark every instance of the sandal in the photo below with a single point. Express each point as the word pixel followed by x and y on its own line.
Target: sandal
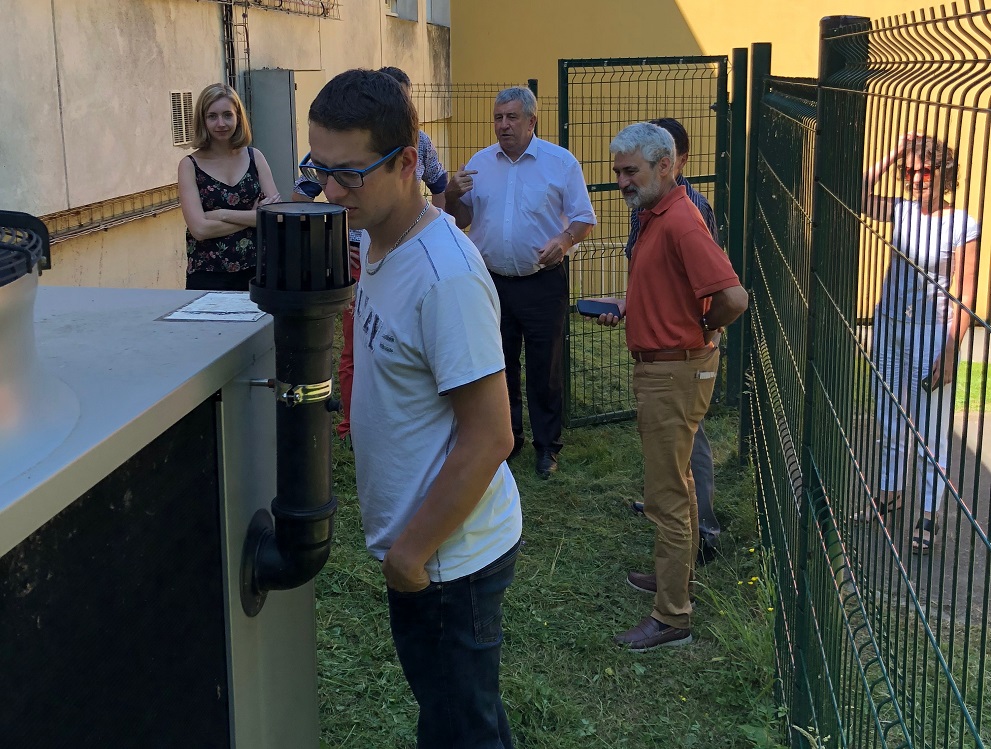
pixel 925 531
pixel 886 507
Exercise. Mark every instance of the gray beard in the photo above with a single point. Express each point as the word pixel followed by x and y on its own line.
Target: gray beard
pixel 643 196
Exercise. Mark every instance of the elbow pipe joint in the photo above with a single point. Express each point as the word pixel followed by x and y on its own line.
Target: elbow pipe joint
pixel 303 280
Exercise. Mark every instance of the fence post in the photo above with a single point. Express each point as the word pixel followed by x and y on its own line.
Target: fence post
pixel 735 215
pixel 562 140
pixel 760 69
pixel 531 83
pixel 804 705
pixel 562 103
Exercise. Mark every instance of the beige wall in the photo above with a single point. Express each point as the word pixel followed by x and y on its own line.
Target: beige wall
pixel 117 64
pixel 147 253
pixel 87 112
pixel 32 171
pixel 365 37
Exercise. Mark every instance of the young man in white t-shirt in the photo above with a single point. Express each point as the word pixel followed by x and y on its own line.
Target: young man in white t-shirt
pixel 430 419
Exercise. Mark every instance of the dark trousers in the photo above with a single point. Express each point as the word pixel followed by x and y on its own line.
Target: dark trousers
pixel 449 639
pixel 702 470
pixel 214 280
pixel 533 313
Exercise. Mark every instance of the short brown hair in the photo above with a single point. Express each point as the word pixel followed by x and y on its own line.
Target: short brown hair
pixel 208 97
pixel 368 100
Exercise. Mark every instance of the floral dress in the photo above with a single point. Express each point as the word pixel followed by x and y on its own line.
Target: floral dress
pixel 235 252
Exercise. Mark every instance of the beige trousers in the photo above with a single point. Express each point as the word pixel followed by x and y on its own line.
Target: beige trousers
pixel 672 398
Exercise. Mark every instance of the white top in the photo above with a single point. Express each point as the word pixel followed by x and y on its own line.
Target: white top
pixel 929 242
pixel 426 321
pixel 518 206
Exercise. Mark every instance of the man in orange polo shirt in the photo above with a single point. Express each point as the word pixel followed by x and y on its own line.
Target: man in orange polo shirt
pixel 682 290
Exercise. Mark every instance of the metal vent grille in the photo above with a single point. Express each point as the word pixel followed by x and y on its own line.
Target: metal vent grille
pixel 182 118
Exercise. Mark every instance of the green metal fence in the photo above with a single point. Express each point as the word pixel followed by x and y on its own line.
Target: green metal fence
pixel 597 98
pixel 861 259
pixel 593 100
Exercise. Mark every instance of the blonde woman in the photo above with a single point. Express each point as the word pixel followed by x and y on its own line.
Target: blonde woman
pixel 220 186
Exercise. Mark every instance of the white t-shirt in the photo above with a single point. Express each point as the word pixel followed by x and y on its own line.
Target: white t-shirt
pixel 928 241
pixel 518 206
pixel 426 321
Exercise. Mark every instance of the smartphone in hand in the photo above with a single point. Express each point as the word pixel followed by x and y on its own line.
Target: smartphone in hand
pixel 594 308
pixel 926 383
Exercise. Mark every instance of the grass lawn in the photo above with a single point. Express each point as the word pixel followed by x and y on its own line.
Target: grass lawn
pixel 971 387
pixel 565 684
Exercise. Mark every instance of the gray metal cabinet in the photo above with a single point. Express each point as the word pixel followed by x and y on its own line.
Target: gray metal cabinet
pixel 280 101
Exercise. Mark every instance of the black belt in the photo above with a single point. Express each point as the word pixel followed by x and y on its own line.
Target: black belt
pixel 529 275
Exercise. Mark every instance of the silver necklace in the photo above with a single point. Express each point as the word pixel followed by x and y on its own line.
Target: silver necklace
pixel 373 269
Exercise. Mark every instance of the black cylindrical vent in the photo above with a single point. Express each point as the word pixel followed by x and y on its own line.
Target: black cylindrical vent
pixel 302 247
pixel 303 280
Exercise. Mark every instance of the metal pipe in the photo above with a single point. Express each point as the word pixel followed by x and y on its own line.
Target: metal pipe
pixel 303 281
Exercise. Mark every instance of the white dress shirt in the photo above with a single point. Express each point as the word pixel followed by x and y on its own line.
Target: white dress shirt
pixel 518 206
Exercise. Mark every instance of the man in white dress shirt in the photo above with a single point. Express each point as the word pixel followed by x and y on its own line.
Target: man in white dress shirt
pixel 526 202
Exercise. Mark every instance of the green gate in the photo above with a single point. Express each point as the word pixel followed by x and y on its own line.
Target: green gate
pixel 596 99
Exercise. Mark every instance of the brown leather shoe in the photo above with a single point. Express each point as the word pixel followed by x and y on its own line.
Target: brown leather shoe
pixel 645 582
pixel 650 634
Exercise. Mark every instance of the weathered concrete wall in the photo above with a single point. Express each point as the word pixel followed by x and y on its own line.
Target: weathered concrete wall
pixel 280 40
pixel 148 253
pixel 86 113
pixel 355 41
pixel 117 64
pixel 32 171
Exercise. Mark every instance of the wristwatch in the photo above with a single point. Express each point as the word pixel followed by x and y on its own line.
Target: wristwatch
pixel 704 324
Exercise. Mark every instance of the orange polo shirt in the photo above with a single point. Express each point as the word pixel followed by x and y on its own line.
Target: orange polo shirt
pixel 674 268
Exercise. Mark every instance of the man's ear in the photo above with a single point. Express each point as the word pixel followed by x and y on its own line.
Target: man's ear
pixel 408 158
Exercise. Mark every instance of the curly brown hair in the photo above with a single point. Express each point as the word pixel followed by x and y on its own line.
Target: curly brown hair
pixel 937 155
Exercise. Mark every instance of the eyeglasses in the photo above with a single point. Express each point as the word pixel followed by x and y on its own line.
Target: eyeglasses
pixel 925 172
pixel 349 178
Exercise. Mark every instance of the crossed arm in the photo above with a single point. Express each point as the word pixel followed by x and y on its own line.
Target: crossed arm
pixel 220 223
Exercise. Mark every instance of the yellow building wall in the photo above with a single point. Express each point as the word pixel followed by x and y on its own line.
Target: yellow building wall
pixel 519 39
pixel 515 40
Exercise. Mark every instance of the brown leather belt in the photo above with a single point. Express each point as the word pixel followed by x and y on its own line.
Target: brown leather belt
pixel 671 354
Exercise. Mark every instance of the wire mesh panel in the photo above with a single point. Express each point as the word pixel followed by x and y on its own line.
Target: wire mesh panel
pixel 779 278
pixel 870 324
pixel 598 98
pixel 458 117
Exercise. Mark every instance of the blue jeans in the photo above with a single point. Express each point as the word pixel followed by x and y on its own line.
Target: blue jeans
pixel 449 637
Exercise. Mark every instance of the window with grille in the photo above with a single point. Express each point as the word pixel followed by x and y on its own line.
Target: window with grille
pixel 182 118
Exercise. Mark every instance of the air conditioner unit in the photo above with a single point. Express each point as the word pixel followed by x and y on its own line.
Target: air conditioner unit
pixel 138 441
